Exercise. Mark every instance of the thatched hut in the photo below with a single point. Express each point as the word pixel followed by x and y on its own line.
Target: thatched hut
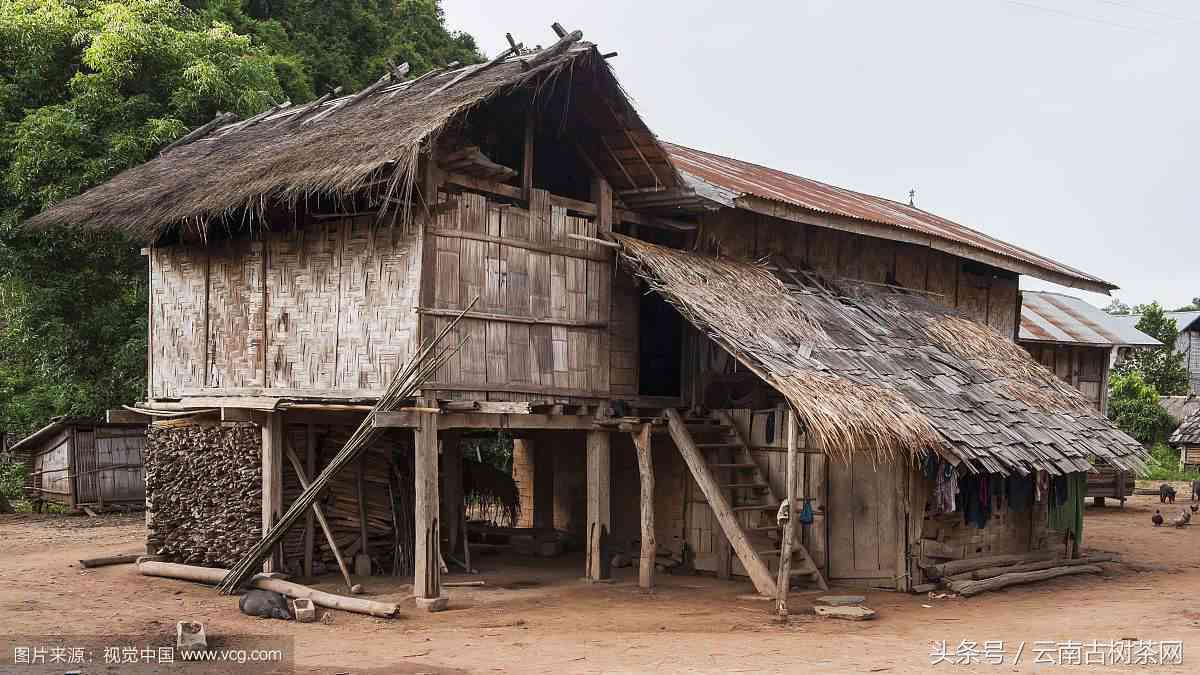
pixel 648 315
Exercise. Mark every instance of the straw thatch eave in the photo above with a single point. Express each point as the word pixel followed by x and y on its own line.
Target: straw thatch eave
pixel 329 151
pixel 881 374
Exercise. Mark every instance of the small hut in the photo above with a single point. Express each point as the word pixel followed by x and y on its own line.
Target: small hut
pixel 1080 343
pixel 1187 439
pixel 82 463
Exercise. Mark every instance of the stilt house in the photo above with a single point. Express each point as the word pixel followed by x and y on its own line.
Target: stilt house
pixel 637 300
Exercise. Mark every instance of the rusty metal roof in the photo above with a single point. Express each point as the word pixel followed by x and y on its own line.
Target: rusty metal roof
pixel 1053 317
pixel 729 179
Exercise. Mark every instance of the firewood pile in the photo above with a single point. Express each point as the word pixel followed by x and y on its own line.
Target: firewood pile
pixel 204 487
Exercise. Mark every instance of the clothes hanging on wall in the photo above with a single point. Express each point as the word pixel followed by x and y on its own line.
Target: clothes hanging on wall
pixel 1041 486
pixel 976 496
pixel 1020 491
pixel 945 491
pixel 1066 504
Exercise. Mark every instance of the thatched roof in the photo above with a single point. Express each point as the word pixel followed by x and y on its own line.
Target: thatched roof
pixel 332 148
pixel 878 372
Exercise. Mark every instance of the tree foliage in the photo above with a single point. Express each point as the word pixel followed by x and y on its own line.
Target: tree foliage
pixel 1133 405
pixel 1160 367
pixel 89 88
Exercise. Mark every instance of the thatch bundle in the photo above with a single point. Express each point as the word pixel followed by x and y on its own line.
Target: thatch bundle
pixel 880 372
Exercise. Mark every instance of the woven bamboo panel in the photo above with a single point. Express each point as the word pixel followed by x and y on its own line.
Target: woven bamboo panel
pixel 236 320
pixel 302 306
pixel 178 303
pixel 379 284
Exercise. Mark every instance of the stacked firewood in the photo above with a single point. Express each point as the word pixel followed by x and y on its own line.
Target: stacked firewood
pixel 204 490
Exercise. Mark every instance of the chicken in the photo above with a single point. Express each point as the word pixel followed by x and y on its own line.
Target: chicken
pixel 1195 508
pixel 1157 519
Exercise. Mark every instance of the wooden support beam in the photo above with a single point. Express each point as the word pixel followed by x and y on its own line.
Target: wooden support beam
pixel 362 560
pixel 527 156
pixel 599 515
pixel 759 574
pixel 602 196
pixel 783 581
pixel 452 481
pixel 310 452
pixel 272 482
pixel 482 420
pixel 427 576
pixel 303 475
pixel 641 441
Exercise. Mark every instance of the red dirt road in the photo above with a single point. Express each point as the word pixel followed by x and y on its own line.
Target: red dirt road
pixel 537 617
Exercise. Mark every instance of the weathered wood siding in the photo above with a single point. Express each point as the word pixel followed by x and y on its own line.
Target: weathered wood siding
pixel 324 308
pixel 541 326
pixel 1085 368
pixel 984 294
pixel 1188 344
pixel 91 465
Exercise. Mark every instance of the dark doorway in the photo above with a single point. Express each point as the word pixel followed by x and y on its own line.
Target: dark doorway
pixel 660 342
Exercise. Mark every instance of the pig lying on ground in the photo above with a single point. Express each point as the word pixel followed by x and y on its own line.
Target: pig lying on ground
pixel 267 604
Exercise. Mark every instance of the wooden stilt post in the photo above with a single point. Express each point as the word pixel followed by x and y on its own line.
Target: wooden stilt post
pixel 272 481
pixel 427 579
pixel 649 545
pixel 362 560
pixel 311 470
pixel 784 580
pixel 452 500
pixel 599 562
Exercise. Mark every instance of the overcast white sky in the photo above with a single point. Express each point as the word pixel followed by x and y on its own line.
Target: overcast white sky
pixel 1064 126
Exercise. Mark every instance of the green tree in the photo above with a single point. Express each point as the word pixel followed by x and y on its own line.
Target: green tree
pixel 1117 307
pixel 1161 367
pixel 323 45
pixel 89 88
pixel 1133 405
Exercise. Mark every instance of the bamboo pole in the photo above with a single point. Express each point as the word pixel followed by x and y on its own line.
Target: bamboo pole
pixel 214 575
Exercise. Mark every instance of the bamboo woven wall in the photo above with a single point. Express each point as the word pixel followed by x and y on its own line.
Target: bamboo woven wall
pixel 326 307
pixel 541 326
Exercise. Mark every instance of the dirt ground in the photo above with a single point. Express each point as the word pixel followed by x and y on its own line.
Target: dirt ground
pixel 537 616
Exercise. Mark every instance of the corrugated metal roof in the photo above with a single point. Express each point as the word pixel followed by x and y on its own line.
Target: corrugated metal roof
pixel 1183 320
pixel 1053 317
pixel 744 178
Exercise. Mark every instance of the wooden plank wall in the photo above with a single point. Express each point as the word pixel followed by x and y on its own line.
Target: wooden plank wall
pixel 989 297
pixel 322 307
pixel 1084 368
pixel 53 462
pixel 120 448
pixel 541 326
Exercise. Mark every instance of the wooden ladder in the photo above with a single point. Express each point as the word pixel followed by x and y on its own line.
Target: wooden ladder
pixel 741 499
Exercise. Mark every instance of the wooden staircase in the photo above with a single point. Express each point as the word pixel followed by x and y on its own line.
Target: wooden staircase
pixel 740 497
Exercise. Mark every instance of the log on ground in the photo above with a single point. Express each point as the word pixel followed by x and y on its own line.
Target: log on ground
pixel 959 566
pixel 214 576
pixel 123 559
pixel 969 588
pixel 989 572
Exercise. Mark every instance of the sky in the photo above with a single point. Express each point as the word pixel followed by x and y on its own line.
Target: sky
pixel 1063 126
